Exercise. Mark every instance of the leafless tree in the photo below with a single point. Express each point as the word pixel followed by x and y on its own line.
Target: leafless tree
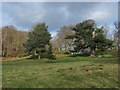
pixel 12 41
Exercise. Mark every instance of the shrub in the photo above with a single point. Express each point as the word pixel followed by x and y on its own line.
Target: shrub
pixel 85 53
pixel 49 53
pixel 99 52
pixel 43 55
pixel 112 52
pixel 66 52
pixel 22 55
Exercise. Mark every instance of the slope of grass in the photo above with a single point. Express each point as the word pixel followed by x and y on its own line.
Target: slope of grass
pixel 65 72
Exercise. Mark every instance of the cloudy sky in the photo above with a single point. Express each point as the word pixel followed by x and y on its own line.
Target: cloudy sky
pixel 23 15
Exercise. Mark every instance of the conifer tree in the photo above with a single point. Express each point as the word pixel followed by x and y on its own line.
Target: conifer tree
pixel 88 36
pixel 49 53
pixel 38 38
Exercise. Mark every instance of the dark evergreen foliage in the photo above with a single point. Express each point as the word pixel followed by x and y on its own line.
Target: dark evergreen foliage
pixel 88 36
pixel 49 53
pixel 38 39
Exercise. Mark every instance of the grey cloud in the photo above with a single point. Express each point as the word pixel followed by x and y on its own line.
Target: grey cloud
pixel 57 14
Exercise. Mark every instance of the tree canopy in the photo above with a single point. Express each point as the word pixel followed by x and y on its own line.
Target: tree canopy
pixel 88 36
pixel 38 38
pixel 12 41
pixel 59 43
pixel 49 53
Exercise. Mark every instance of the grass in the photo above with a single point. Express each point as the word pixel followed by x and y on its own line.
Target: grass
pixel 107 56
pixel 65 72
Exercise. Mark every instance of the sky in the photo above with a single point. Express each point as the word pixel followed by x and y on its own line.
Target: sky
pixel 23 15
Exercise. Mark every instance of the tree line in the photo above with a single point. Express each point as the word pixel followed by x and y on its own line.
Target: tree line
pixel 82 37
pixel 12 41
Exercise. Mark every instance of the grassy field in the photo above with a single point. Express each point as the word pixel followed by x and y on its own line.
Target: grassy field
pixel 65 72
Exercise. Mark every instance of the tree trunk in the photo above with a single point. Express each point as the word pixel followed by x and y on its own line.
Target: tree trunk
pixel 39 56
pixel 92 52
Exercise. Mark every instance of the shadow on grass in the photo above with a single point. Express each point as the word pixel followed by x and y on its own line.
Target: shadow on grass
pixel 106 60
pixel 79 58
pixel 35 57
pixel 67 61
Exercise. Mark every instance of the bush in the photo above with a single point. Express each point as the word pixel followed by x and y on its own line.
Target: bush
pixel 66 52
pixel 25 54
pixel 85 53
pixel 43 55
pixel 99 52
pixel 112 52
pixel 49 53
pixel 107 52
pixel 22 55
pixel 50 56
pixel 53 57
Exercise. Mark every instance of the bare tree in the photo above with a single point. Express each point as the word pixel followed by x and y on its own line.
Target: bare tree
pixel 116 35
pixel 12 41
pixel 60 44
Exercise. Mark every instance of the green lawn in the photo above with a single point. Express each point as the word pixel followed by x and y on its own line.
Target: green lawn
pixel 65 72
